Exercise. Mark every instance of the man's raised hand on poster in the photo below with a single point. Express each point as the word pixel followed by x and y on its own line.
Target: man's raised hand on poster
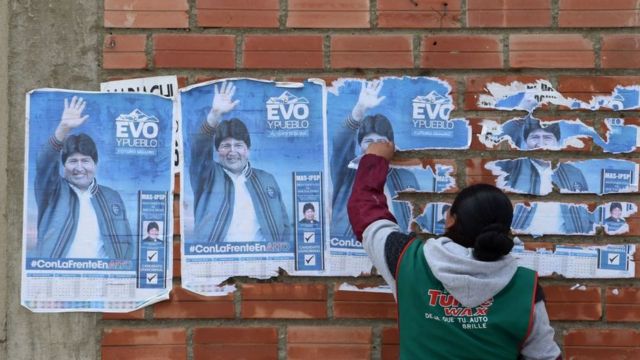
pixel 367 99
pixel 71 117
pixel 222 102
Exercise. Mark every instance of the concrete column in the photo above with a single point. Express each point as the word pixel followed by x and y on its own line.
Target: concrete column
pixel 52 43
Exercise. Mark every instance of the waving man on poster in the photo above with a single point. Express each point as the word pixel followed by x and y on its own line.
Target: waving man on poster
pixel 361 131
pixel 233 202
pixel 77 218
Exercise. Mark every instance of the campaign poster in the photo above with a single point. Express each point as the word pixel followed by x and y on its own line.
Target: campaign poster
pixel 535 176
pixel 557 218
pixel 166 86
pixel 572 261
pixel 413 113
pixel 98 218
pixel 253 198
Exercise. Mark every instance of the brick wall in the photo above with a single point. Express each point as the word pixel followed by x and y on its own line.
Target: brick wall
pixel 583 47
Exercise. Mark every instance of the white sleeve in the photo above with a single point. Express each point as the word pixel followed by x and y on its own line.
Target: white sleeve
pixel 374 239
pixel 540 344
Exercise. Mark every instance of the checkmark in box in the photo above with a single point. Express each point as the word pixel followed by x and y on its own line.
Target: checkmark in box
pixel 152 278
pixel 309 237
pixel 614 259
pixel 310 260
pixel 152 255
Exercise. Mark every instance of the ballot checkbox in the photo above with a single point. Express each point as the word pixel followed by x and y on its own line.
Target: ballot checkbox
pixel 309 237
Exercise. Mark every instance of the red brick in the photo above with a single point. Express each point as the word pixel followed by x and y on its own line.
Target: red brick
pixel 508 13
pixel 124 52
pixel 476 85
pixel 623 304
pixel 620 51
pixel 281 291
pixel 477 173
pixel 285 301
pixel 283 52
pixel 599 13
pixel 238 13
pixel 364 305
pixel 146 344
pixel 131 315
pixel 150 336
pixel 328 14
pixel 566 304
pixel 146 14
pixel 550 51
pixel 283 309
pixel 235 343
pixel 177 266
pixel 418 15
pixel 194 51
pixel 602 344
pixel 307 342
pixel 586 87
pixel 461 52
pixel 390 343
pixel 235 335
pixel 182 82
pixel 145 352
pixel 184 304
pixel 124 60
pixel 328 335
pixel 371 51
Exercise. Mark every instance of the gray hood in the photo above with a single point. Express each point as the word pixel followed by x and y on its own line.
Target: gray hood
pixel 470 281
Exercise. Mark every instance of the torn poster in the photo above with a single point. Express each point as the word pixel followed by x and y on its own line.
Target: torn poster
pixel 527 97
pixel 433 219
pixel 622 98
pixel 98 219
pixel 252 189
pixel 537 177
pixel 585 262
pixel 414 113
pixel 554 218
pixel 529 133
pixel 166 86
pixel 434 178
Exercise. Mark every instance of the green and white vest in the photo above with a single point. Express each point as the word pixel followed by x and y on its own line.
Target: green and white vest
pixel 434 325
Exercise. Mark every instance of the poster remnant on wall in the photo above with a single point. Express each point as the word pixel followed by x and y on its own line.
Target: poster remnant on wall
pixel 414 113
pixel 98 214
pixel 555 218
pixel 585 262
pixel 537 176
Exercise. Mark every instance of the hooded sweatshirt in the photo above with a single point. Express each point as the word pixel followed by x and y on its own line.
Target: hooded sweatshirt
pixel 469 280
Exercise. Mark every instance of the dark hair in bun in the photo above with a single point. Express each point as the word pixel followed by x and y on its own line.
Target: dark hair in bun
pixel 483 215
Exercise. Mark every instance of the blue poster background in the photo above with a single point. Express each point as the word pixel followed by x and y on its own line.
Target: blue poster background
pixel 125 173
pixel 279 152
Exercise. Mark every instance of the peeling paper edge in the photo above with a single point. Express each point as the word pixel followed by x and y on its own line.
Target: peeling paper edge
pixel 597 224
pixel 572 141
pixel 220 290
pixel 451 181
pixel 382 289
pixel 125 82
pixel 608 124
pixel 336 84
pixel 283 84
pixel 500 176
pixel 516 87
